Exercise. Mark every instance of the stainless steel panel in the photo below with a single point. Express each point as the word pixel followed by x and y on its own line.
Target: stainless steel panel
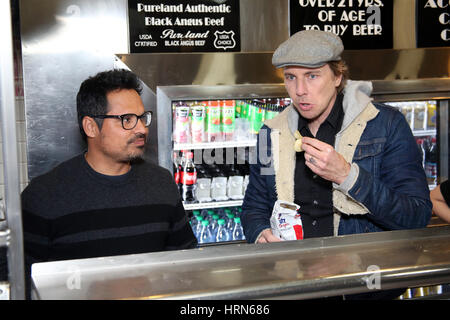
pixel 63 43
pixel 256 68
pixel 295 269
pixel 264 24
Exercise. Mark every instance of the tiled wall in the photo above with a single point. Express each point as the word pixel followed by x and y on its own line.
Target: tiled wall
pixel 21 145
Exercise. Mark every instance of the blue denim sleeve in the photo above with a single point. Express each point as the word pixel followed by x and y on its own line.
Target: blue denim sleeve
pixel 258 202
pixel 397 196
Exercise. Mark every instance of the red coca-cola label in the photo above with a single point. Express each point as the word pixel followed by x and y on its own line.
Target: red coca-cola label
pixel 188 178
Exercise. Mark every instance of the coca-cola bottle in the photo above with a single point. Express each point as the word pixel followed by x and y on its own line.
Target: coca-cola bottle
pixel 176 170
pixel 189 179
pixel 431 162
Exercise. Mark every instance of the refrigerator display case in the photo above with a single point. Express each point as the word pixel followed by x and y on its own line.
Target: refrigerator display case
pixel 211 139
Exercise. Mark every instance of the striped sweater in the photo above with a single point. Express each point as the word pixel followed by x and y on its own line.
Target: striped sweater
pixel 73 212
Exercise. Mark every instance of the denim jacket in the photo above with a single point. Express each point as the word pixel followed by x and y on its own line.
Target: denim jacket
pixel 386 188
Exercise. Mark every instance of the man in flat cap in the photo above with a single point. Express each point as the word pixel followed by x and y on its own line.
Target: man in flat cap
pixel 358 168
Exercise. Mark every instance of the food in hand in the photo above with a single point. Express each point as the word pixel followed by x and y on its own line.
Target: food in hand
pixel 298 142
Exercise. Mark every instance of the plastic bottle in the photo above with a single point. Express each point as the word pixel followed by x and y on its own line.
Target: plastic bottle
pixel 228 114
pixel 198 133
pixel 198 227
pixel 420 144
pixel 431 162
pixel 238 232
pixel 230 221
pixel 176 170
pixel 209 215
pixel 181 124
pixel 189 180
pixel 257 116
pixel 205 233
pixel 222 232
pixel 214 132
pixel 181 163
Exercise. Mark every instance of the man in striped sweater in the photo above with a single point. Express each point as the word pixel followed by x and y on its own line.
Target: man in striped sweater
pixel 106 201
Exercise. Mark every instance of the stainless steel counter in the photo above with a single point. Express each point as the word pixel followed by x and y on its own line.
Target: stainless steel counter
pixel 289 270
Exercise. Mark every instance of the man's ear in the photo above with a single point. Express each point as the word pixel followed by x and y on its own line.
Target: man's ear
pixel 338 80
pixel 90 127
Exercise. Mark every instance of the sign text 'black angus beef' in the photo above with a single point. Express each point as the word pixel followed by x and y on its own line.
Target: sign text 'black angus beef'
pixel 184 26
pixel 361 24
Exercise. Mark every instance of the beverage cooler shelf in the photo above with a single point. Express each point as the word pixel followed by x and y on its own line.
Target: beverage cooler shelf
pixel 214 145
pixel 212 205
pixel 424 133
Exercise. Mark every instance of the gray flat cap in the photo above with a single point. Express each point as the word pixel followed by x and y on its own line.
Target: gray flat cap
pixel 308 48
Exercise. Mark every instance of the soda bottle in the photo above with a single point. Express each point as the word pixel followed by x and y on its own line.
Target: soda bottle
pixel 214 224
pixel 181 124
pixel 431 162
pixel 214 132
pixel 176 170
pixel 189 180
pixel 238 232
pixel 205 233
pixel 256 117
pixel 222 232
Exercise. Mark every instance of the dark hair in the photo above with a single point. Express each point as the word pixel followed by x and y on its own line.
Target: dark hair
pixel 340 68
pixel 91 98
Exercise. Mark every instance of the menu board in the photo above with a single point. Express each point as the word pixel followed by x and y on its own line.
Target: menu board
pixel 361 24
pixel 184 26
pixel 433 23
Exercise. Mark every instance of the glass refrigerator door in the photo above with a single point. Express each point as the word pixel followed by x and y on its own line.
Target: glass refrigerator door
pixel 423 120
pixel 429 120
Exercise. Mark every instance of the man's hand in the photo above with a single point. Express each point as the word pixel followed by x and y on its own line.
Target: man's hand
pixel 324 161
pixel 267 236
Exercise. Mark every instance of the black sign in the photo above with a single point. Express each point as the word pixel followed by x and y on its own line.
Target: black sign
pixel 361 24
pixel 184 26
pixel 433 23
